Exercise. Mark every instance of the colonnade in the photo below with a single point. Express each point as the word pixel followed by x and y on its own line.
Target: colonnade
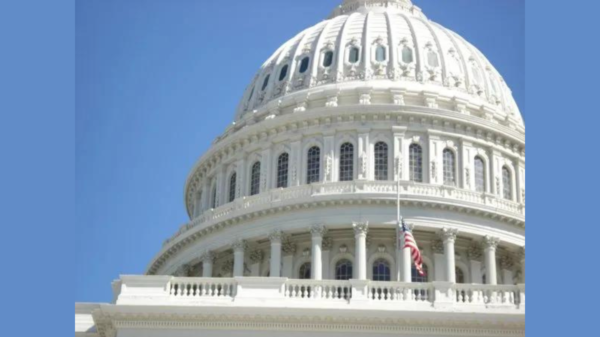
pixel 404 260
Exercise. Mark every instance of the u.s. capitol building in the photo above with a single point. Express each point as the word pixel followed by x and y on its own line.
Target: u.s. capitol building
pixel 293 227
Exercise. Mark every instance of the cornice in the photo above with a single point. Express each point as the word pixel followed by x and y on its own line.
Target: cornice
pixel 335 321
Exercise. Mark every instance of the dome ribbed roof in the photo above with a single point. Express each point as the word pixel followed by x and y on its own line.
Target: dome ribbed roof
pixel 386 44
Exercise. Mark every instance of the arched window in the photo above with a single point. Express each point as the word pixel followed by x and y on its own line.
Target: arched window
pixel 313 165
pixel 251 94
pixel 255 179
pixel 381 161
pixel 283 72
pixel 304 272
pixel 198 204
pixel 380 54
pixel 407 55
pixel 432 59
pixel 416 277
pixel 460 276
pixel 232 182
pixel 416 163
pixel 304 64
pixel 381 270
pixel 506 183
pixel 479 174
pixel 282 170
pixel 346 162
pixel 328 59
pixel 343 270
pixel 354 55
pixel 213 197
pixel 449 168
pixel 265 83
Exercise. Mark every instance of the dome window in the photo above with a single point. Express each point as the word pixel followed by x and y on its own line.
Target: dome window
pixel 232 182
pixel 449 168
pixel 407 55
pixel 432 59
pixel 313 165
pixel 381 270
pixel 265 83
pixel 282 170
pixel 255 179
pixel 346 162
pixel 343 270
pixel 304 64
pixel 381 161
pixel 380 54
pixel 416 163
pixel 354 55
pixel 283 72
pixel 479 174
pixel 251 94
pixel 328 59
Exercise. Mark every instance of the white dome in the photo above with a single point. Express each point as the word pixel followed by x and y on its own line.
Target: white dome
pixel 394 47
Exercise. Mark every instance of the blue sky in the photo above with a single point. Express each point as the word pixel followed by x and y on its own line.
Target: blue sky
pixel 158 80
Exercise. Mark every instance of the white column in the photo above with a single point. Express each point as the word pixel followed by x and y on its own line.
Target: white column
pixel 220 186
pixel 326 245
pixel 439 261
pixel 406 259
pixel 275 269
pixel 317 232
pixel 360 238
pixel 205 194
pixel 448 235
pixel 207 263
pixel 490 244
pixel 239 247
pixel 197 203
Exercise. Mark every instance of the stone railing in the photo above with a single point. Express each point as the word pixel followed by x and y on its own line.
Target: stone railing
pixel 284 292
pixel 374 189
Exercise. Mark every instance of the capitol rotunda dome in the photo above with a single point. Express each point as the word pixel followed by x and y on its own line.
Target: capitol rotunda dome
pixel 374 100
pixel 361 130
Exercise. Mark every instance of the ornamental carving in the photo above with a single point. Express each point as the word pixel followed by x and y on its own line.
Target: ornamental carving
pixel 433 171
pixel 306 252
pixel 327 243
pixel 227 266
pixel 288 247
pixel 468 177
pixel 317 230
pixel 257 256
pixel 363 164
pixel 328 164
pixel 448 234
pixel 381 248
pixel 275 236
pixel 343 249
pixel 490 242
pixel 437 246
pixel 398 167
pixel 506 261
pixel 183 270
pixel 208 257
pixel 474 251
pixel 360 228
pixel 239 245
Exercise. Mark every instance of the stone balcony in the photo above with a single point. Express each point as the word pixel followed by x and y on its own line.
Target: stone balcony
pixel 356 192
pixel 333 294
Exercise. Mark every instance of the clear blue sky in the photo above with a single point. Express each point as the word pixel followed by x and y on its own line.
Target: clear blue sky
pixel 158 80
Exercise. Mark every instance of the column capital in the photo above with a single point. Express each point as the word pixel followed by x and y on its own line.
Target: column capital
pixel 239 245
pixel 360 228
pixel 506 261
pixel 491 242
pixel 448 234
pixel 275 236
pixel 317 230
pixel 208 256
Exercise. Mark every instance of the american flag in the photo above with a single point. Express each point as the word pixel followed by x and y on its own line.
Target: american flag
pixel 410 242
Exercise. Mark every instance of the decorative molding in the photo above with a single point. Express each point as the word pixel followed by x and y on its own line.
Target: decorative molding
pixel 318 230
pixel 275 236
pixel 257 256
pixel 448 234
pixel 239 245
pixel 474 251
pixel 360 228
pixel 490 242
pixel 437 246
pixel 327 243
